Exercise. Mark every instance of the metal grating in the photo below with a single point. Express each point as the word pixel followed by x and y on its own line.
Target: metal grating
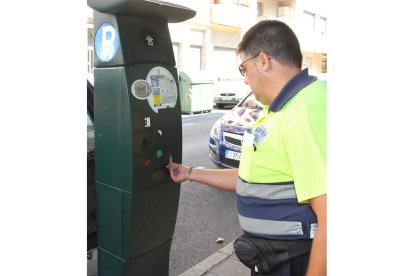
pixel 233 139
pixel 230 162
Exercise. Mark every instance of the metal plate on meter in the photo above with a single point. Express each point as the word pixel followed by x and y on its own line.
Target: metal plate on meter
pixel 163 89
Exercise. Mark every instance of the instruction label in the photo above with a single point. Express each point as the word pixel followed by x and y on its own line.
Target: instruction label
pixel 163 89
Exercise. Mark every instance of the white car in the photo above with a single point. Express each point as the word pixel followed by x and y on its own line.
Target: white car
pixel 229 91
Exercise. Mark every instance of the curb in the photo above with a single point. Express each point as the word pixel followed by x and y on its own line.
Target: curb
pixel 205 265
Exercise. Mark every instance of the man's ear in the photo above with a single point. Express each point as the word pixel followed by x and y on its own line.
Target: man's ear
pixel 264 61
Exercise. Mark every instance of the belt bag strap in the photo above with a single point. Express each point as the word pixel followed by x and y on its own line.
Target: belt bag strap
pixel 264 255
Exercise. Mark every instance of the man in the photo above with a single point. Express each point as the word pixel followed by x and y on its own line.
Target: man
pixel 281 180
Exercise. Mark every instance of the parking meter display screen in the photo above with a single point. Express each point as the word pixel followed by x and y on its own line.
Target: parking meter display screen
pixel 163 89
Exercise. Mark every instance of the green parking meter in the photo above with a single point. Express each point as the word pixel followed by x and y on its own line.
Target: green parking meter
pixel 137 131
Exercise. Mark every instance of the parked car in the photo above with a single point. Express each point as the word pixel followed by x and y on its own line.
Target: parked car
pixel 229 90
pixel 227 133
pixel 91 201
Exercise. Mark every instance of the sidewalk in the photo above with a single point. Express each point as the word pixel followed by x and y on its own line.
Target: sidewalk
pixel 221 263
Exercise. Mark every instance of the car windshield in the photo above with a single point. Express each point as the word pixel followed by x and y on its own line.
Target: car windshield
pixel 89 121
pixel 251 102
pixel 91 135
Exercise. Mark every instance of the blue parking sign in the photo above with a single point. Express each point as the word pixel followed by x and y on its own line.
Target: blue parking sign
pixel 106 42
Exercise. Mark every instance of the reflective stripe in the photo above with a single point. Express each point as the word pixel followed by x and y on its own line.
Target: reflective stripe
pixel 272 227
pixel 265 191
pixel 272 211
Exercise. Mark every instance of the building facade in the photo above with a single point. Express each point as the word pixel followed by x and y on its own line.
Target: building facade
pixel 208 41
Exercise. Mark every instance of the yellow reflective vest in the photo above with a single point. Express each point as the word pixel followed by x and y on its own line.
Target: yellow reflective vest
pixel 283 163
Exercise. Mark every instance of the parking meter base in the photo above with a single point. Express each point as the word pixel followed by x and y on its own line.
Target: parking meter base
pixel 155 262
pixel 109 264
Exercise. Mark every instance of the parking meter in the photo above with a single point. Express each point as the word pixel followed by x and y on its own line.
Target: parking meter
pixel 137 131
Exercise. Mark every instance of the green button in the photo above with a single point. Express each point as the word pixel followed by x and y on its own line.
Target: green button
pixel 159 153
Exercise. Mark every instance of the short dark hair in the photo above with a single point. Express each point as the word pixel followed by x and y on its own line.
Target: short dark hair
pixel 274 38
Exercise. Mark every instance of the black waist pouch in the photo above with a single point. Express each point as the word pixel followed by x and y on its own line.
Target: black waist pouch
pixel 264 255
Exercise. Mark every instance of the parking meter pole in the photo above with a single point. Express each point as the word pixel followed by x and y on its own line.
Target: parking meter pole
pixel 137 131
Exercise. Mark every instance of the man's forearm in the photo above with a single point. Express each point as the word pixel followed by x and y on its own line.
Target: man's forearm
pixel 224 179
pixel 317 261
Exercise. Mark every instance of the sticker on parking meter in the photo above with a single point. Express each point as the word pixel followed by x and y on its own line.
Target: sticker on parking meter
pixel 163 89
pixel 106 42
pixel 140 89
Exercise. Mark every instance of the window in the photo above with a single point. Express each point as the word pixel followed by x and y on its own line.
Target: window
pixel 308 63
pixel 244 3
pixel 324 66
pixel 195 57
pixel 322 25
pixel 225 61
pixel 90 59
pixel 90 50
pixel 308 22
pixel 176 51
pixel 91 35
pixel 259 9
pixel 283 13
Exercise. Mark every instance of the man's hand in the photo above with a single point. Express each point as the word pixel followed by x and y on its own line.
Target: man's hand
pixel 223 179
pixel 178 172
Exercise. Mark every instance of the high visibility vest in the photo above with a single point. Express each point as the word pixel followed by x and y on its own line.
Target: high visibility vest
pixel 266 197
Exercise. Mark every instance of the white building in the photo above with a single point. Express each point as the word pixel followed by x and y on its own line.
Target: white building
pixel 209 40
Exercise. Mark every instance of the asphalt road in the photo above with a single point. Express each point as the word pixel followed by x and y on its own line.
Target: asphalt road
pixel 204 213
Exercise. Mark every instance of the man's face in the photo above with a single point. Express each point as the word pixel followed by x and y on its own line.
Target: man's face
pixel 242 66
pixel 251 73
